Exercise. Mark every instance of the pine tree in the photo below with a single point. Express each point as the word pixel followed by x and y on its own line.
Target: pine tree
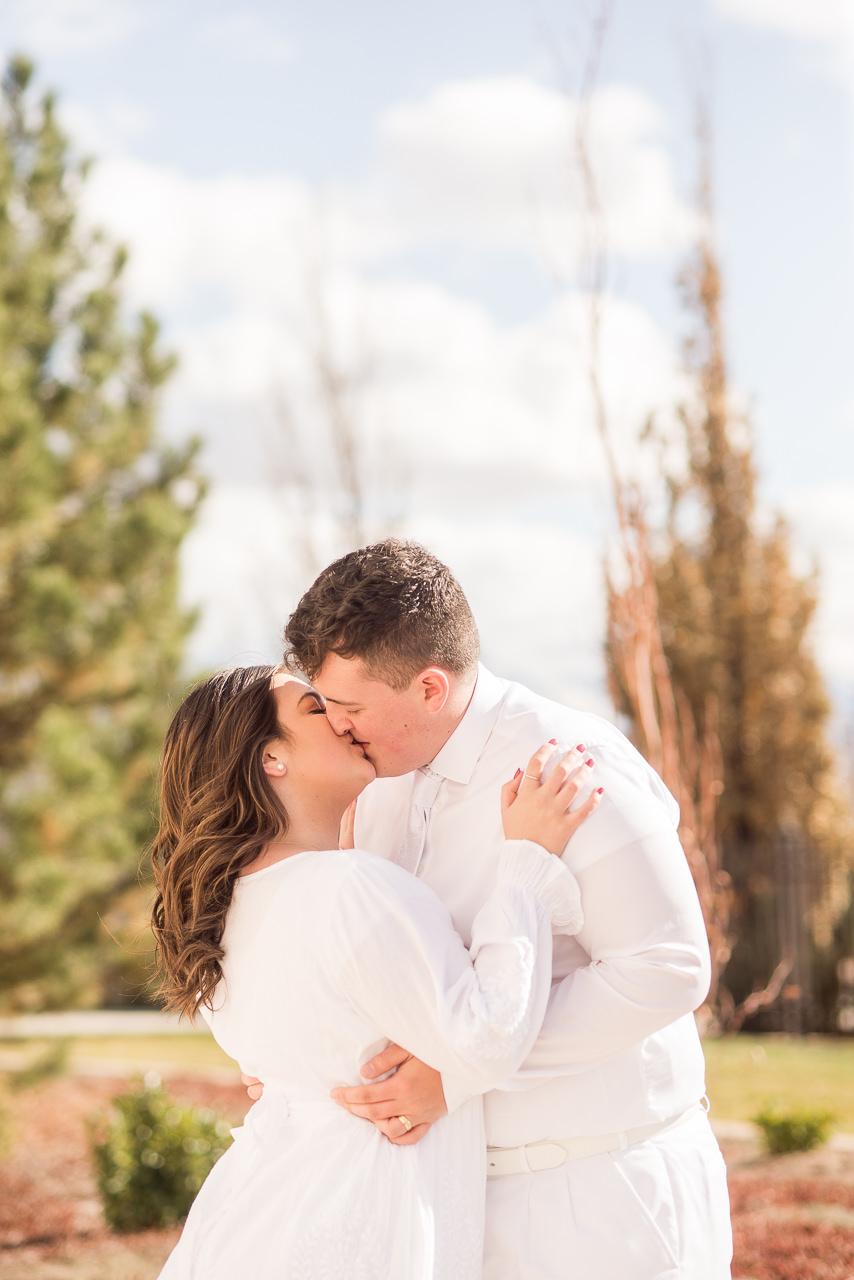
pixel 93 508
pixel 735 624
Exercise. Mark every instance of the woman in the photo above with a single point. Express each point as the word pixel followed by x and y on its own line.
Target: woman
pixel 306 959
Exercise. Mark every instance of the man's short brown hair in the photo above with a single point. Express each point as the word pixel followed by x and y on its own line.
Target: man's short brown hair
pixel 394 606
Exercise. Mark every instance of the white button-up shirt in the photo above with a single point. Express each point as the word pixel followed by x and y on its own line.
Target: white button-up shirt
pixel 619 1047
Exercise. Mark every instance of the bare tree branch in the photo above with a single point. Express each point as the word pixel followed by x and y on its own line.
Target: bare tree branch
pixel 690 762
pixel 732 1017
pixel 336 476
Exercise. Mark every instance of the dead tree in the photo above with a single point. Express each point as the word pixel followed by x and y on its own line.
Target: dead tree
pixel 689 761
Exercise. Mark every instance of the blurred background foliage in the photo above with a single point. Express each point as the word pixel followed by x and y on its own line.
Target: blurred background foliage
pixel 93 509
pixel 734 620
pixel 151 1157
pixel 94 506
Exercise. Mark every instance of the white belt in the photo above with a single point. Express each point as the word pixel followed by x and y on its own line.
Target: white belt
pixel 553 1152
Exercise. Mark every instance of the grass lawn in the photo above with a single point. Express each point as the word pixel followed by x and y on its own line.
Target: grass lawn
pixel 744 1072
pixel 191 1050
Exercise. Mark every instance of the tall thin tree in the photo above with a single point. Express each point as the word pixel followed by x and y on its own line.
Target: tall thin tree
pixel 736 627
pixel 681 739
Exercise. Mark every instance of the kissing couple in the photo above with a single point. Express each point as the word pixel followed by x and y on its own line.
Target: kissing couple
pixel 448 929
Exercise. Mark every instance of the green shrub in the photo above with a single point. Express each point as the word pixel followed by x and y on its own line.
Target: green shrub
pixel 151 1156
pixel 51 1061
pixel 799 1129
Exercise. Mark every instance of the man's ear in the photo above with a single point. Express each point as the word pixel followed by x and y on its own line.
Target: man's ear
pixel 434 687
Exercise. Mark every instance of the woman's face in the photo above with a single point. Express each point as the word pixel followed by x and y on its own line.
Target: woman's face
pixel 321 764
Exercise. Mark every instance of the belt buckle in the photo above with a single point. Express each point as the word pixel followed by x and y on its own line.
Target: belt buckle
pixel 541 1156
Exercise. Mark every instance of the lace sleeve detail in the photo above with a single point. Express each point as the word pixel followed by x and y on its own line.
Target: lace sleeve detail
pixel 473 1013
pixel 501 1007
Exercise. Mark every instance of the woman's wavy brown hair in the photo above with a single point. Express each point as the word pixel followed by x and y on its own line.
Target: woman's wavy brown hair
pixel 217 812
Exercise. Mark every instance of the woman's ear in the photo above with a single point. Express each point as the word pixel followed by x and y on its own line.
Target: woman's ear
pixel 273 765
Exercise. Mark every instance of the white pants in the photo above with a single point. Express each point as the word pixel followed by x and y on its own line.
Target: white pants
pixel 658 1210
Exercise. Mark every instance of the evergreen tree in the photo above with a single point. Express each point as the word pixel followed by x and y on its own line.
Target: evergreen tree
pixel 734 620
pixel 93 509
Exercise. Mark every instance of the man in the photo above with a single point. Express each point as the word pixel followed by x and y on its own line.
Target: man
pixel 602 1162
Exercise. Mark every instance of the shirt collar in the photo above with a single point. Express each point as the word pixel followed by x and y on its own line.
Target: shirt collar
pixel 460 754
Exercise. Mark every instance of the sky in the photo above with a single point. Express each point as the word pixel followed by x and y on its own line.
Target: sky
pixel 379 202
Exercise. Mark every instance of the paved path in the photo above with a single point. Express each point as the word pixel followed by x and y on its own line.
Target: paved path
pixel 98 1022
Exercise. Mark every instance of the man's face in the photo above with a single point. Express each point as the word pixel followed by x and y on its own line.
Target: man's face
pixel 319 761
pixel 398 731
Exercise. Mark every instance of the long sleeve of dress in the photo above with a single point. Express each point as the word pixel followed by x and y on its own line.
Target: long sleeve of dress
pixel 474 1015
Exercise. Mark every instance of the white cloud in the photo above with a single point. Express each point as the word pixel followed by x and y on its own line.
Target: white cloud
pixel 471 407
pixel 489 397
pixel 215 242
pixel 219 243
pixel 118 122
pixel 484 163
pixel 74 26
pixel 827 26
pixel 537 594
pixel 536 590
pixel 248 36
pixel 809 19
pixel 492 424
pixel 493 431
pixel 129 119
pixel 224 562
pixel 491 161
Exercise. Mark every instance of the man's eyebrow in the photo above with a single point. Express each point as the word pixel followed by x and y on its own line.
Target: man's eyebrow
pixel 339 702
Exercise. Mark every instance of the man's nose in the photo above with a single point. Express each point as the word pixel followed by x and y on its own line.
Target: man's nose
pixel 339 719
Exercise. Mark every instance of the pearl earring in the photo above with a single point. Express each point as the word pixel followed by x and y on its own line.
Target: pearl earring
pixel 280 767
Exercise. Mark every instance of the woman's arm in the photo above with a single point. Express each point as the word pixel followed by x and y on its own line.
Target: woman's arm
pixel 474 1015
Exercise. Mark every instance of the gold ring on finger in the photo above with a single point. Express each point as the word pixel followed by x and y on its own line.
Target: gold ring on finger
pixel 532 776
pixel 407 1124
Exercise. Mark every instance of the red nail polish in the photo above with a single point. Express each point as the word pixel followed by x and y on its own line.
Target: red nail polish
pixel 516 774
pixel 580 746
pixel 599 791
pixel 590 762
pixel 552 742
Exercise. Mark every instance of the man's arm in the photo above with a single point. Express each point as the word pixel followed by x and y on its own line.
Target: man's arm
pixel 649 961
pixel 649 965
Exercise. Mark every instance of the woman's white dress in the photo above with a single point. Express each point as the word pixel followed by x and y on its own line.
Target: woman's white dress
pixel 328 957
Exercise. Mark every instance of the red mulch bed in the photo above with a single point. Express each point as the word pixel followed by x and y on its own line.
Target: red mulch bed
pixel 49 1205
pixel 788 1231
pixel 793 1216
